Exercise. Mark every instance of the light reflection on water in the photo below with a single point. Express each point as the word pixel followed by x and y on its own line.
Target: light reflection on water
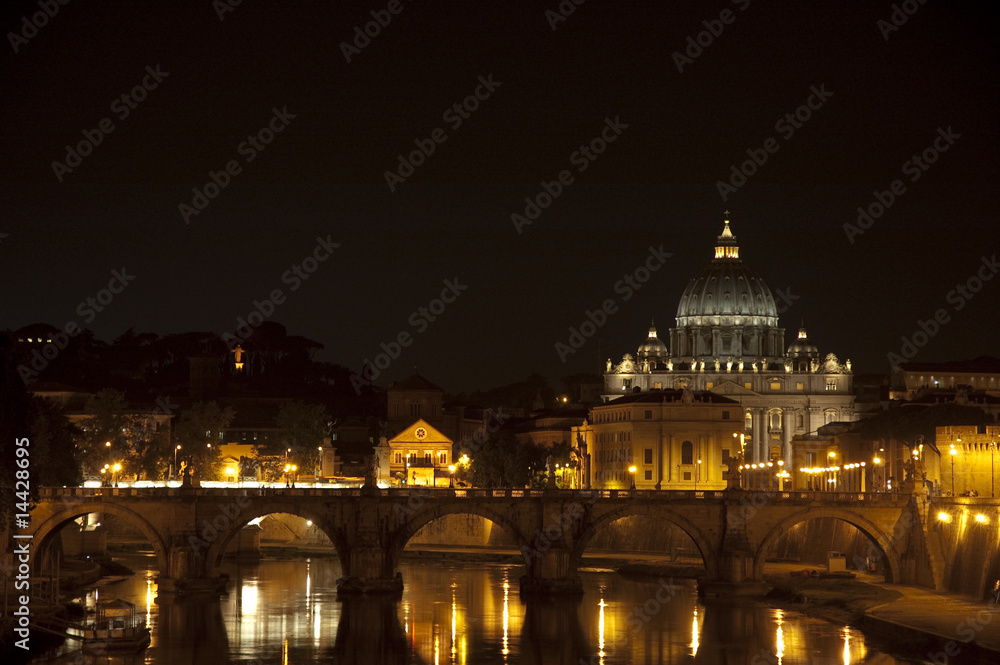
pixel 287 612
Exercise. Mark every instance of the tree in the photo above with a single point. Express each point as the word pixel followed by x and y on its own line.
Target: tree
pixel 303 428
pixel 108 422
pixel 503 461
pixel 195 432
pixel 53 443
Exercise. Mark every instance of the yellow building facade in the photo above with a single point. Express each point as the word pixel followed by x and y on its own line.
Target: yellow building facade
pixel 420 455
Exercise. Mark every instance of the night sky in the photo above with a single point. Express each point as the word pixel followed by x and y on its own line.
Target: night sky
pixel 886 93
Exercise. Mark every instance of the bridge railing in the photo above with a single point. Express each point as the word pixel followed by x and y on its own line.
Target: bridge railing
pixel 487 493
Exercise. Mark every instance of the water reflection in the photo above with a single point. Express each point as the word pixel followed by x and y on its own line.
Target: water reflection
pixel 287 612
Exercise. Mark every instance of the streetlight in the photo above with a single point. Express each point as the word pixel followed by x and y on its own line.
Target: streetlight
pixel 953 453
pixel 631 471
pixel 451 480
pixel 993 449
pixel 697 472
pixel 116 468
pixel 175 457
pixel 107 444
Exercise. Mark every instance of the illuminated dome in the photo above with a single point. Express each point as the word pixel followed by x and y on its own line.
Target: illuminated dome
pixel 802 347
pixel 653 348
pixel 727 290
pixel 727 313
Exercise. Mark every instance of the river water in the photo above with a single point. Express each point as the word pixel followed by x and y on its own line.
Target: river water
pixel 286 612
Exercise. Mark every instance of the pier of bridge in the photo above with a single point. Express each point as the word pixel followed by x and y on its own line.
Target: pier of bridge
pixel 190 529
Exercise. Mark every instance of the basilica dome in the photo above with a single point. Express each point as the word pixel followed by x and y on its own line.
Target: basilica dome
pixel 653 347
pixel 727 288
pixel 727 313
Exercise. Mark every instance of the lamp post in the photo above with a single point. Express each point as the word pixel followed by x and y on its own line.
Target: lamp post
pixel 175 457
pixel 876 481
pixel 116 468
pixel 107 444
pixel 697 472
pixel 953 453
pixel 993 449
pixel 451 479
pixel 631 471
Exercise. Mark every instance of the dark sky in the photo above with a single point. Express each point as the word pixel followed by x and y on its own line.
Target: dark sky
pixel 884 101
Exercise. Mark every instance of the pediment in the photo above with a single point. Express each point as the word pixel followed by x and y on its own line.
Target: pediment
pixel 728 388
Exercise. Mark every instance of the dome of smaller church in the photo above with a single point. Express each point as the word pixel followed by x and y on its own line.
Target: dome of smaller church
pixel 802 347
pixel 653 347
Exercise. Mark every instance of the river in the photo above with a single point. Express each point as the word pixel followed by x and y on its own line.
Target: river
pixel 286 612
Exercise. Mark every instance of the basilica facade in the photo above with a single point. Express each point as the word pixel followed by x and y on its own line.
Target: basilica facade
pixel 728 341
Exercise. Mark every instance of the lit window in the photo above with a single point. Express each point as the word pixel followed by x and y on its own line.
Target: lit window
pixel 799 385
pixel 776 385
pixel 831 384
pixel 399 458
pixel 748 385
pixel 709 385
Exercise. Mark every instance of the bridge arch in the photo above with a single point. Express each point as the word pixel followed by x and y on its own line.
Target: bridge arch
pixel 883 542
pixel 319 516
pixel 660 512
pixel 422 516
pixel 55 522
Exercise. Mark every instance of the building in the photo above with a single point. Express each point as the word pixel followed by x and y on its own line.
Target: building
pixel 971 468
pixel 673 439
pixel 416 397
pixel 727 340
pixel 420 455
pixel 911 380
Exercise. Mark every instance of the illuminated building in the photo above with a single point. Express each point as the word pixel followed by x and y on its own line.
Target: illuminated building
pixel 673 439
pixel 727 341
pixel 420 455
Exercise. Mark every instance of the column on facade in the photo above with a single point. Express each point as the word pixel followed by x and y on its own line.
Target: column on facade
pixel 759 434
pixel 788 423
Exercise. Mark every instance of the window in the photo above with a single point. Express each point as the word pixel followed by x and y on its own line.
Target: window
pixel 395 409
pixel 776 385
pixel 687 475
pixel 725 415
pixel 427 458
pixel 657 385
pixel 810 459
pixel 687 453
pixel 725 455
pixel 799 385
pixel 709 385
pixel 415 410
pixel 648 474
pixel 748 385
pixel 399 458
pixel 649 414
pixel 442 458
pixel 831 384
pixel 647 456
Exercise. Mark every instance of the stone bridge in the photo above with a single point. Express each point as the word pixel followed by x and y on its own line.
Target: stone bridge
pixel 191 528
